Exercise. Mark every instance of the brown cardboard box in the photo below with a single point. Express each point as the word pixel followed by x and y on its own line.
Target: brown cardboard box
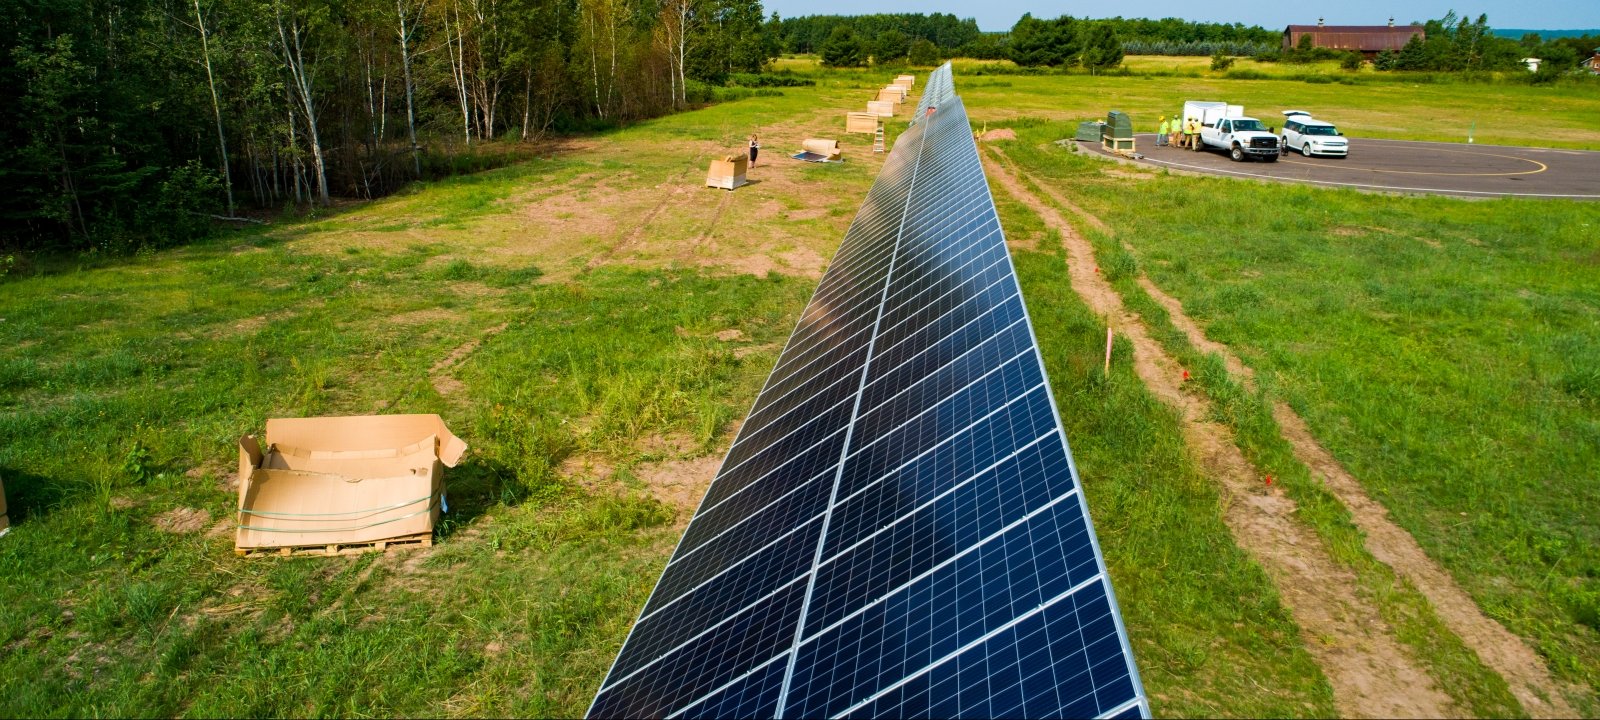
pixel 866 122
pixel 825 148
pixel 729 172
pixel 905 81
pixel 329 481
pixel 881 108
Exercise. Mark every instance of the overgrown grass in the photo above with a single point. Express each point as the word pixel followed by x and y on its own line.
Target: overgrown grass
pixel 1439 348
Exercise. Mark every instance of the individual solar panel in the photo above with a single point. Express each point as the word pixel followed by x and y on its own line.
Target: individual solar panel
pixel 937 91
pixel 898 528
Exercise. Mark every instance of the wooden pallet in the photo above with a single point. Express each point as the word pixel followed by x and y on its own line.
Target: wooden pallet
pixel 406 542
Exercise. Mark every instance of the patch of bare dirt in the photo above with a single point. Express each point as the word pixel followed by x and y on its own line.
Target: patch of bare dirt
pixel 1372 674
pixel 680 483
pixel 589 470
pixel 757 265
pixel 424 316
pixel 182 521
pixel 669 444
pixel 730 335
pixel 768 210
pixel 810 213
pixel 1524 671
pixel 998 134
pixel 805 261
pixel 222 528
pixel 748 350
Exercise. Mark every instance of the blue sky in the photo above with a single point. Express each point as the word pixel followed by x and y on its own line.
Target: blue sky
pixel 1000 14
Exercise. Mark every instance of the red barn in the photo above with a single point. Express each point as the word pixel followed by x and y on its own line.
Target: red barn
pixel 1369 40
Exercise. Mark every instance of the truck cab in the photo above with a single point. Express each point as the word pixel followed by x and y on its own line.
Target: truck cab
pixel 1242 137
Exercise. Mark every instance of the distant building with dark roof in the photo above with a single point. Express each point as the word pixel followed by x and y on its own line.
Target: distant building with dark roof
pixel 1369 40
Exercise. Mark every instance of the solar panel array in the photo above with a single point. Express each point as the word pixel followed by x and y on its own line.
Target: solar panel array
pixel 937 90
pixel 898 529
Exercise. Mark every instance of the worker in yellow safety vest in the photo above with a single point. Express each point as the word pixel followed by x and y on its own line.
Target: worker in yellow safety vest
pixel 1162 131
pixel 1191 134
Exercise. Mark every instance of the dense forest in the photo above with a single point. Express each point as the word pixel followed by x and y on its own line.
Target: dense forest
pixel 128 122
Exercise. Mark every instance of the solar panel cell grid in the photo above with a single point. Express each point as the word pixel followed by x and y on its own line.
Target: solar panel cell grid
pixel 898 529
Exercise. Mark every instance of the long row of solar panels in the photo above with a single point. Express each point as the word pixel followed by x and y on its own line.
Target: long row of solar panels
pixel 936 91
pixel 898 529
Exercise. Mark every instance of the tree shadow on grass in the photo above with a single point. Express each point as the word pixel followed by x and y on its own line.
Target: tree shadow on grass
pixel 30 496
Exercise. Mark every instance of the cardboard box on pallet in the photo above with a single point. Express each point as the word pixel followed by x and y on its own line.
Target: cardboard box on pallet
pixel 334 481
pixel 728 172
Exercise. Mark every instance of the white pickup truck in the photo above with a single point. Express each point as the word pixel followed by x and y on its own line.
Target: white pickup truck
pixel 1225 127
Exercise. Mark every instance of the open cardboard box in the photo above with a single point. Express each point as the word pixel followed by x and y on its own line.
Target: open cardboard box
pixel 334 481
pixel 728 172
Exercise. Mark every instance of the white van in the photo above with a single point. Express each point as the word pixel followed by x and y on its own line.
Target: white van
pixel 1312 136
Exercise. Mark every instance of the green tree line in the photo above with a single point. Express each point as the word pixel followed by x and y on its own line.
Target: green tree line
pixel 125 123
pixel 1459 44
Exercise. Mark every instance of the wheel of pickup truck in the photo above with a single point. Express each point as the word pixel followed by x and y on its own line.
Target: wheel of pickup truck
pixel 1236 153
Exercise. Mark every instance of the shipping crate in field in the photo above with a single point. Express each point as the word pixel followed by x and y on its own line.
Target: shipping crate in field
pixel 892 94
pixel 905 81
pixel 866 122
pixel 728 172
pixel 881 108
pixel 340 484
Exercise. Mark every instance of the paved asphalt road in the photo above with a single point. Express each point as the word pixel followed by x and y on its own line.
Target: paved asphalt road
pixel 1407 166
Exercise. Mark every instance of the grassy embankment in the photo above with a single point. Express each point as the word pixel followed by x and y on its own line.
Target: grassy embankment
pixel 606 394
pixel 1444 350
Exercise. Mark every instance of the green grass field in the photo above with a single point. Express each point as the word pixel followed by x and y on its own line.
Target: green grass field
pixel 1443 350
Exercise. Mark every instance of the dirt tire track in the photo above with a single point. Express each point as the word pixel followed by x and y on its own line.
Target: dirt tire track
pixel 445 384
pixel 674 188
pixel 1503 652
pixel 701 239
pixel 1372 674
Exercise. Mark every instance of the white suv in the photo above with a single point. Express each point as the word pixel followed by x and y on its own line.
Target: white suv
pixel 1311 136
